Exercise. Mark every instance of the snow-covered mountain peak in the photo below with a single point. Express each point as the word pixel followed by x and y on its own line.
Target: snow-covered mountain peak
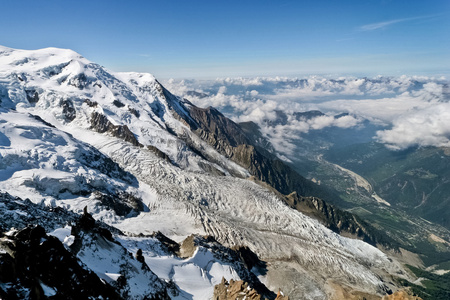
pixel 26 60
pixel 73 93
pixel 74 134
pixel 140 79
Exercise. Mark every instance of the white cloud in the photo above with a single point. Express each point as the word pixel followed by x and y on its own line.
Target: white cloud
pixel 385 24
pixel 346 121
pixel 222 90
pixel 257 81
pixel 428 127
pixel 321 122
pixel 413 107
pixel 380 25
pixel 388 109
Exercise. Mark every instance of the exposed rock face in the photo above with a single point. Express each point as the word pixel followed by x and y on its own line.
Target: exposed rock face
pixel 91 239
pixel 257 139
pixel 306 115
pixel 86 223
pixel 90 103
pixel 101 124
pixel 248 257
pixel 401 295
pixel 68 110
pixel 273 171
pixel 117 103
pixel 196 94
pixel 169 245
pixel 140 258
pixel 36 117
pixel 158 153
pixel 122 203
pixel 216 129
pixel 188 247
pixel 281 296
pixel 36 266
pixel 281 118
pixel 33 213
pixel 238 290
pixel 338 220
pixel 230 140
pixel 32 95
pixel 134 112
pixel 242 258
pixel 79 81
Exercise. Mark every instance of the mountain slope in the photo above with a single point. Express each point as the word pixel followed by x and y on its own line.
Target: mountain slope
pixel 231 140
pixel 66 246
pixel 415 180
pixel 130 151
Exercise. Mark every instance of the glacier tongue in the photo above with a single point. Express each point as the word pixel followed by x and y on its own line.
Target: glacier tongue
pixel 180 195
pixel 240 212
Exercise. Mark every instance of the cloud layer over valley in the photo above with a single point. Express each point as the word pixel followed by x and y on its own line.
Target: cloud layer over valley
pixel 410 111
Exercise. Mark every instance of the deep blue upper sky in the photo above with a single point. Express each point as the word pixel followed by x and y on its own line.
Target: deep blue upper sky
pixel 184 39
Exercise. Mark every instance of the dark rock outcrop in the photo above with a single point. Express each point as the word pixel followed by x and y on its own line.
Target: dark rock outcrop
pixel 338 220
pixel 167 244
pixel 159 153
pixel 123 204
pixel 249 257
pixel 196 94
pixel 117 103
pixel 231 141
pixel 238 290
pixel 216 129
pixel 91 237
pixel 101 124
pixel 134 112
pixel 46 216
pixel 32 96
pixel 79 81
pixel 37 266
pixel 68 110
pixel 86 223
pixel 257 139
pixel 90 103
pixel 36 117
pixel 34 265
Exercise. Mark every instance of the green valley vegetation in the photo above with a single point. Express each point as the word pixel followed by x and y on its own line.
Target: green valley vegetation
pixel 429 286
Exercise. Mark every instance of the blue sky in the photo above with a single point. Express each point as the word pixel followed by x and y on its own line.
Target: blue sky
pixel 209 39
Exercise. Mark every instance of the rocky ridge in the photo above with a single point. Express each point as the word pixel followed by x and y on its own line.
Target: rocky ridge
pixel 232 141
pixel 239 290
pixel 37 264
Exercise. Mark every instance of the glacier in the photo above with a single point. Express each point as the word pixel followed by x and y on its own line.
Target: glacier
pixel 52 154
